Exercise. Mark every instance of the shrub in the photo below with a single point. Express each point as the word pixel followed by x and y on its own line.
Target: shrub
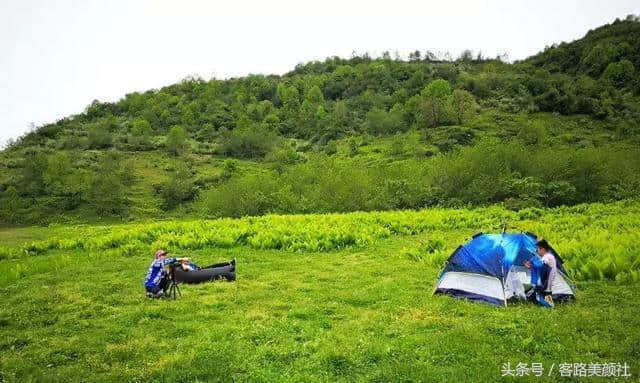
pixel 99 136
pixel 178 189
pixel 251 142
pixel 331 148
pixel 176 142
pixel 281 157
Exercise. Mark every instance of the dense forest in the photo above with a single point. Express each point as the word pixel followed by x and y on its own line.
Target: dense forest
pixel 345 134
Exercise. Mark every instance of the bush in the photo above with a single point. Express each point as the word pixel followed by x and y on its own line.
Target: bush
pixel 178 189
pixel 331 148
pixel 99 136
pixel 176 142
pixel 140 137
pixel 229 168
pixel 397 146
pixel 10 205
pixel 251 142
pixel 106 191
pixel 281 157
pixel 532 134
pixel 253 194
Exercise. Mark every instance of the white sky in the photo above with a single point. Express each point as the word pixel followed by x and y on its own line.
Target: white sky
pixel 57 56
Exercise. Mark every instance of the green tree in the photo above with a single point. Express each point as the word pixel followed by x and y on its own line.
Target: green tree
pixel 281 157
pixel 340 117
pixel 106 194
pixel 10 205
pixel 533 133
pixel 436 99
pixel 179 188
pixel 397 119
pixel 289 98
pixel 331 148
pixel 176 142
pixel 463 105
pixel 190 115
pixel 140 133
pixel 207 132
pixel 229 168
pixel 620 74
pixel 33 170
pixel 99 136
pixel 248 141
pixel 313 116
pixel 377 122
pixel 272 122
pixel 397 146
pixel 56 175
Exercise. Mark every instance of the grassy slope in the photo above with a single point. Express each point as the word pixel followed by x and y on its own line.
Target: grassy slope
pixel 363 314
pixel 156 166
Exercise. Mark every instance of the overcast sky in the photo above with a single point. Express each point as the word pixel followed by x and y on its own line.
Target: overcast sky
pixel 58 56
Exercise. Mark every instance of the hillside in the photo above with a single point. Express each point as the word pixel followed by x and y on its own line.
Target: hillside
pixel 363 133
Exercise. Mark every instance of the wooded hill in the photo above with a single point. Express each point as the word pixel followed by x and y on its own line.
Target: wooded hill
pixel 363 133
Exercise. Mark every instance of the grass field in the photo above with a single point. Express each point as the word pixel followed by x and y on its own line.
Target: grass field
pixel 318 298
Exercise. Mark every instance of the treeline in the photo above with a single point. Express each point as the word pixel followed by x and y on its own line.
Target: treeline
pixel 517 173
pixel 512 173
pixel 51 184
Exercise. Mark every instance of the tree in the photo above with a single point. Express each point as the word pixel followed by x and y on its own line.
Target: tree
pixel 106 191
pixel 464 105
pixel 56 174
pixel 190 116
pixel 436 97
pixel 248 141
pixel 33 170
pixel 331 148
pixel 397 145
pixel 397 119
pixel 281 157
pixel 178 189
pixel 312 112
pixel 340 117
pixel 176 142
pixel 207 132
pixel 272 122
pixel 533 133
pixel 10 205
pixel 290 100
pixel 620 74
pixel 376 121
pixel 140 133
pixel 99 136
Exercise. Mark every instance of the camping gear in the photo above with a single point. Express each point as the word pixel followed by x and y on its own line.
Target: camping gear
pixel 490 268
pixel 173 282
pixel 226 270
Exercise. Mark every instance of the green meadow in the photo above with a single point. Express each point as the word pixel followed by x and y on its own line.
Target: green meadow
pixel 339 297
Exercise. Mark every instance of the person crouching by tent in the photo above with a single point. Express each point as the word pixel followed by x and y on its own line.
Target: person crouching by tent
pixel 543 273
pixel 157 280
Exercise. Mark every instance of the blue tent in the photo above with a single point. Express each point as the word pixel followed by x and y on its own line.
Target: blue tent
pixel 490 268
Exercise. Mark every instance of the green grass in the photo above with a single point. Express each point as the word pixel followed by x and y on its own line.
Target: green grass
pixel 354 314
